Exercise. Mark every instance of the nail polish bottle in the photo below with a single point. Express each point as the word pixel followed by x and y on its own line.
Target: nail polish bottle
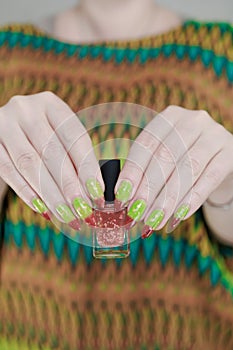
pixel 110 236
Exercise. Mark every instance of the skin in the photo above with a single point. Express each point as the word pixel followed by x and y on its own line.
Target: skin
pixel 46 157
pixel 99 20
pixel 173 168
pixel 199 169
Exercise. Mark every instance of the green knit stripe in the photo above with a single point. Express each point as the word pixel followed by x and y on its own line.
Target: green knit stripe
pixel 13 344
pixel 215 58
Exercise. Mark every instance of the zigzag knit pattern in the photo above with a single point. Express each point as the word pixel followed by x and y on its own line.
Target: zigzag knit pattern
pixel 173 292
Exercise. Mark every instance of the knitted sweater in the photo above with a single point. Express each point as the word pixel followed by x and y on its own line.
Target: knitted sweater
pixel 174 291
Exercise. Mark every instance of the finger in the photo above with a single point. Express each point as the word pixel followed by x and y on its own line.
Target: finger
pixel 170 125
pixel 163 163
pixel 13 178
pixel 60 166
pixel 211 178
pixel 32 169
pixel 77 143
pixel 188 170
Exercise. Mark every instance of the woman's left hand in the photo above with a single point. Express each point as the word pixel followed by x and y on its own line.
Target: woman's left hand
pixel 178 160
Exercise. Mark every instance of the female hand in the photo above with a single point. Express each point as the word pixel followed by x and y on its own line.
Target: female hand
pixel 174 165
pixel 46 156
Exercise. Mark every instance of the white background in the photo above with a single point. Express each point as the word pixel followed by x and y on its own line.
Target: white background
pixel 34 10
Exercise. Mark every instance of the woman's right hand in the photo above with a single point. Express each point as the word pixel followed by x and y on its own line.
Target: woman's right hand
pixel 46 156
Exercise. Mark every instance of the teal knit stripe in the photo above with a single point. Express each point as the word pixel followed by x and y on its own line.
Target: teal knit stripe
pixel 166 249
pixel 220 64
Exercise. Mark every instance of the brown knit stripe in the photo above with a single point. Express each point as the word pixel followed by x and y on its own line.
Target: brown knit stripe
pixel 156 84
pixel 108 307
pixel 213 39
pixel 149 310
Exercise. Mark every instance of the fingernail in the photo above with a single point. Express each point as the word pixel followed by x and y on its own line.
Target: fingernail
pixel 179 215
pixel 124 192
pixel 147 231
pixel 46 216
pixel 137 209
pixel 67 215
pixel 152 222
pixel 84 211
pixel 41 208
pixel 82 208
pixel 95 190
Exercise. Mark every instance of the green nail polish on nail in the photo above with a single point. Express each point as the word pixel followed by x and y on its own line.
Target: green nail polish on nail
pixel 65 212
pixel 181 212
pixel 155 218
pixel 39 205
pixel 82 208
pixel 124 191
pixel 137 209
pixel 94 189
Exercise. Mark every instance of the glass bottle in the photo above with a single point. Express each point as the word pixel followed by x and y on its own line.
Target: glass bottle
pixel 110 235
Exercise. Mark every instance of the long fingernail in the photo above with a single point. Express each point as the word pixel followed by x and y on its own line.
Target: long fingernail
pixel 137 209
pixel 46 216
pixel 124 192
pixel 179 215
pixel 153 221
pixel 95 190
pixel 84 211
pixel 66 214
pixel 41 208
pixel 82 208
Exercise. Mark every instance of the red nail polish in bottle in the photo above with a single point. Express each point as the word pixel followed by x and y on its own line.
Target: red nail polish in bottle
pixel 110 236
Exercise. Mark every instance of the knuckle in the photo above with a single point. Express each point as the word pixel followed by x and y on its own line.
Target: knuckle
pixel 192 166
pixel 84 166
pixel 85 140
pixel 148 189
pixel 69 186
pixel 6 167
pixel 171 108
pixel 220 129
pixel 196 198
pixel 51 150
pixel 134 172
pixel 171 200
pixel 16 101
pixel 68 132
pixel 165 155
pixel 83 144
pixel 212 176
pixel 26 161
pixel 47 95
pixel 147 140
pixel 203 116
pixel 152 184
pixel 22 190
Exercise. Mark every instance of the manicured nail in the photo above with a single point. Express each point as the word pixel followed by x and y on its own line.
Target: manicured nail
pixel 179 215
pixel 82 208
pixel 152 222
pixel 124 191
pixel 41 208
pixel 67 215
pixel 137 209
pixel 46 216
pixel 95 190
pixel 147 231
pixel 84 211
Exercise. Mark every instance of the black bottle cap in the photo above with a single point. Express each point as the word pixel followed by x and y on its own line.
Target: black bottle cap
pixel 110 169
